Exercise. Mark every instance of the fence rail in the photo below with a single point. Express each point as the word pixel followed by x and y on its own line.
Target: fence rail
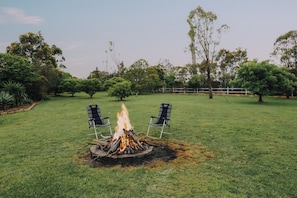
pixel 227 90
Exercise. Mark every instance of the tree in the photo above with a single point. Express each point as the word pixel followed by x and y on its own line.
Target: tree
pixel 17 69
pixel 136 75
pixel 263 78
pixel 154 78
pixel 54 80
pixel 91 86
pixel 170 79
pixel 192 35
pixel 119 64
pixel 285 46
pixel 181 75
pixel 207 38
pixel 145 78
pixel 111 82
pixel 165 66
pixel 195 81
pixel 228 62
pixel 286 81
pixel 192 69
pixel 46 60
pixel 120 90
pixel 102 75
pixel 71 85
pixel 36 50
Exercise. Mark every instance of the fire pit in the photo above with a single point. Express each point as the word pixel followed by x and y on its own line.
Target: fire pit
pixel 123 144
pixel 124 149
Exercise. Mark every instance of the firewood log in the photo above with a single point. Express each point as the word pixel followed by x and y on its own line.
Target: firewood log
pixel 115 145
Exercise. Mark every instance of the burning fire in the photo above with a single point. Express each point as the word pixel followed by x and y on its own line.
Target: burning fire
pixel 123 123
pixel 124 141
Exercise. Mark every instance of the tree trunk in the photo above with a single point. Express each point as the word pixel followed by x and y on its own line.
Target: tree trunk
pixel 288 95
pixel 193 56
pixel 209 82
pixel 260 98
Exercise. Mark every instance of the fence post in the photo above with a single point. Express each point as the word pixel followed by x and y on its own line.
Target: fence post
pixel 227 90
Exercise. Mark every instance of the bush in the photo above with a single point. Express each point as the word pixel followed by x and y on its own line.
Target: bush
pixel 17 90
pixel 111 82
pixel 120 90
pixel 90 86
pixel 5 99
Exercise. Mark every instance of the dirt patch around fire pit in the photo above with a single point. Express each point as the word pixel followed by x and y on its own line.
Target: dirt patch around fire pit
pixel 164 152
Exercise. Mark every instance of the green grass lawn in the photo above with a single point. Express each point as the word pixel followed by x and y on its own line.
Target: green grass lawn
pixel 253 149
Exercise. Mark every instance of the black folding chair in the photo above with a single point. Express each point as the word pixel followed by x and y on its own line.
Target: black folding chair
pixel 162 120
pixel 96 120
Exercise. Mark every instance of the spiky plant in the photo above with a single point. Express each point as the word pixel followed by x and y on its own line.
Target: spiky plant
pixel 17 90
pixel 5 99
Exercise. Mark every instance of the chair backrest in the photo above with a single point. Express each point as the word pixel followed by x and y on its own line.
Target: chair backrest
pixel 95 113
pixel 164 113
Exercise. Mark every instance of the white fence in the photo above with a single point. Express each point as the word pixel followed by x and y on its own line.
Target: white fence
pixel 206 90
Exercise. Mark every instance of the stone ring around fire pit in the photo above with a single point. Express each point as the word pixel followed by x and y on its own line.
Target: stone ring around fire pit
pixel 124 146
pixel 96 152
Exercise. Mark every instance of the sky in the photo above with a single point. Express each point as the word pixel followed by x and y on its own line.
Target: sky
pixel 154 30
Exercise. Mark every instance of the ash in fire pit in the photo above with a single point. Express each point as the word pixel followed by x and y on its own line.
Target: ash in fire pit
pixel 123 144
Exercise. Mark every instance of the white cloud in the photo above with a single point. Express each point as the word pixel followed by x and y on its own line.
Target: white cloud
pixel 19 16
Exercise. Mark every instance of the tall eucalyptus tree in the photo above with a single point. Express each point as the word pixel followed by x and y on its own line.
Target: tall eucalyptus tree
pixel 207 38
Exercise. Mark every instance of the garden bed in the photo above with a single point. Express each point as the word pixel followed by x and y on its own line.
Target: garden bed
pixel 21 108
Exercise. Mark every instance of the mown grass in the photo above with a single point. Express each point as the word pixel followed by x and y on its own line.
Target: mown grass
pixel 247 149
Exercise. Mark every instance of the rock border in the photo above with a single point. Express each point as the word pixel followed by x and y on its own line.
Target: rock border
pixel 18 110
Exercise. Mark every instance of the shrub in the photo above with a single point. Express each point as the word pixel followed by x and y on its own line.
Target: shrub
pixel 5 99
pixel 120 90
pixel 17 90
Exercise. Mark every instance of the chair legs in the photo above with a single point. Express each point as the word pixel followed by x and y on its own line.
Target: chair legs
pixel 96 133
pixel 161 131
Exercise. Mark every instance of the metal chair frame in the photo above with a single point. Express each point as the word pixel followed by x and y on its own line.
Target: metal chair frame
pixel 162 120
pixel 96 120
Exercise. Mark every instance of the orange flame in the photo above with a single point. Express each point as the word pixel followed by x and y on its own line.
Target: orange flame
pixel 123 122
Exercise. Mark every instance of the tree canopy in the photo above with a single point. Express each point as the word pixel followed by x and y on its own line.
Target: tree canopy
pixel 206 34
pixel 264 78
pixel 91 86
pixel 228 62
pixel 120 90
pixel 71 85
pixel 19 70
pixel 46 60
pixel 285 46
pixel 143 78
